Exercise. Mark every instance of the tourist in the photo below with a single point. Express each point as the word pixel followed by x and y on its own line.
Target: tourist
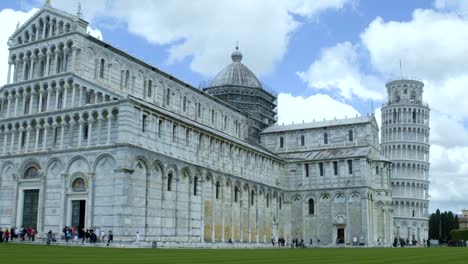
pixel 1 235
pixel 7 234
pixel 110 237
pixel 92 236
pixel 137 237
pixel 86 236
pixel 33 234
pixel 49 237
pixel 12 233
pixel 67 234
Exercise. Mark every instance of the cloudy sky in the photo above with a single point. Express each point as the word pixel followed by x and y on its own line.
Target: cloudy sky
pixel 325 58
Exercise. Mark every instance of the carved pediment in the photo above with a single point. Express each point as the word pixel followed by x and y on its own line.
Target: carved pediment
pixel 47 22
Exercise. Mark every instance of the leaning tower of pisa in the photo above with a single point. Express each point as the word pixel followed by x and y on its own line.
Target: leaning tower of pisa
pixel 405 141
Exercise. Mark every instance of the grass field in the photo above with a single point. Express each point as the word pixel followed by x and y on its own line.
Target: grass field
pixel 14 253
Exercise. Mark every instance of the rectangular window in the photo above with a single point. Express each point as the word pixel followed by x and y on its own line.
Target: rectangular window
pixel 56 136
pixel 168 96
pixel 199 110
pixel 59 101
pixel 174 133
pixel 350 135
pixel 187 136
pixel 302 140
pixel 44 103
pixel 306 169
pixel 150 88
pixel 143 123
pixel 325 138
pixel 26 106
pixel 85 131
pixel 335 168
pixel 281 143
pixel 350 166
pixel 23 138
pixel 376 169
pixel 321 168
pixel 88 98
pixel 160 127
pixel 41 135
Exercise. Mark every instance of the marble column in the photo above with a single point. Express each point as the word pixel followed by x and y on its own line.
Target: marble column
pixel 109 126
pixel 36 143
pixel 49 95
pixel 56 57
pixel 47 68
pixel 73 58
pixel 9 72
pixel 44 140
pixel 28 133
pixel 7 110
pixel 31 102
pixel 90 125
pixel 65 96
pixel 41 96
pixel 80 131
pixel 57 93
pixel 73 94
pixel 31 68
pixel 15 112
pixel 5 138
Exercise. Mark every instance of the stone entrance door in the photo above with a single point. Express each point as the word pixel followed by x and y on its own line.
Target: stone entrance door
pixel 78 214
pixel 340 235
pixel 30 208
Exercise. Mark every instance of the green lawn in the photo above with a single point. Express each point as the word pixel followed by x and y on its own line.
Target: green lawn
pixel 14 253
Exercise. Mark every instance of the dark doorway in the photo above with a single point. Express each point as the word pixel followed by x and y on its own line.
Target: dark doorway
pixel 78 214
pixel 30 208
pixel 340 235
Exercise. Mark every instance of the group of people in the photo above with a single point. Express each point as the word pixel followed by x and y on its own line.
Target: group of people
pixel 13 233
pixel 402 242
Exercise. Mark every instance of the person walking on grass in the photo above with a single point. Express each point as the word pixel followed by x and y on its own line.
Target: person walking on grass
pixel 49 237
pixel 137 237
pixel 7 235
pixel 110 238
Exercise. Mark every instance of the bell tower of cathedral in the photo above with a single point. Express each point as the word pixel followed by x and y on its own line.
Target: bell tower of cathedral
pixel 405 142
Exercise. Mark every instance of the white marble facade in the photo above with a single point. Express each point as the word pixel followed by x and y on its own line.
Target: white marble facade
pixel 93 137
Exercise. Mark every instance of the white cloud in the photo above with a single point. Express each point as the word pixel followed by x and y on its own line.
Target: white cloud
pixel 432 45
pixel 298 109
pixel 206 31
pixel 458 6
pixel 95 33
pixel 338 69
pixel 9 17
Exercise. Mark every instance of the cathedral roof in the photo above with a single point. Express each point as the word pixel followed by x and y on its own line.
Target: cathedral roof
pixel 319 124
pixel 236 74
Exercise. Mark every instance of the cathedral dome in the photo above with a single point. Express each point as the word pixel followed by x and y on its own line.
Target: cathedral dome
pixel 236 74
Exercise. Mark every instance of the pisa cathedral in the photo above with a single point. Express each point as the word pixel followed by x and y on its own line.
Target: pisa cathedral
pixel 92 137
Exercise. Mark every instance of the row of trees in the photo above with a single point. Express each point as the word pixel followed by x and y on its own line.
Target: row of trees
pixel 440 225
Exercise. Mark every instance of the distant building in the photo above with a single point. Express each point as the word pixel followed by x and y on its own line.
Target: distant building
pixel 463 219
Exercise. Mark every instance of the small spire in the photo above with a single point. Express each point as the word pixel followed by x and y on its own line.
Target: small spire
pixel 47 3
pixel 79 14
pixel 17 25
pixel 236 56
